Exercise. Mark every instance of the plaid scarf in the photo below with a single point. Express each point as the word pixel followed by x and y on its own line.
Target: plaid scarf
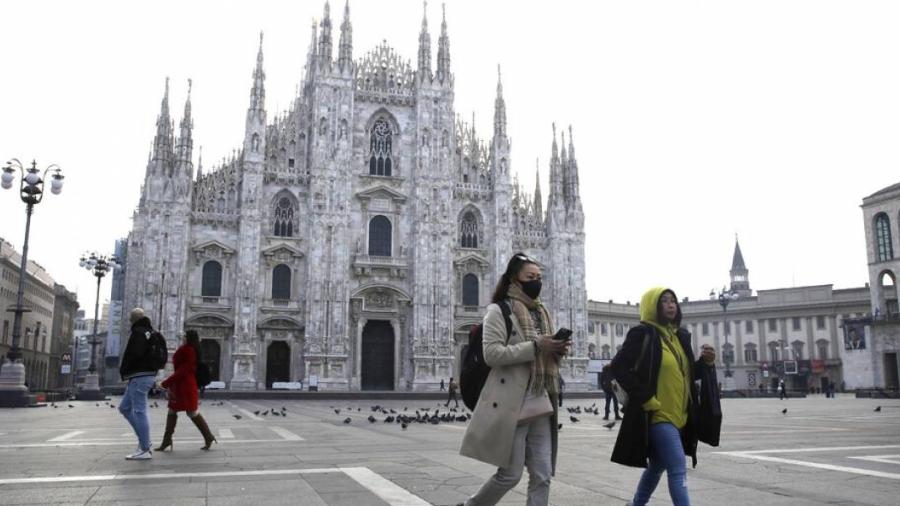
pixel 545 368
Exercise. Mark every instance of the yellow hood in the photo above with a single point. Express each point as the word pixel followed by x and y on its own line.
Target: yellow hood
pixel 649 303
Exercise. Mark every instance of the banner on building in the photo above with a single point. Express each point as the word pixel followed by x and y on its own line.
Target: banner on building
pixel 855 334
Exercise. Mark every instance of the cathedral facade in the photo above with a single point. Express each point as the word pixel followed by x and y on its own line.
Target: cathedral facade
pixel 352 241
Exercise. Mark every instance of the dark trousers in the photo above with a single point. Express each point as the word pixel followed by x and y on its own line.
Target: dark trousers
pixel 610 397
pixel 452 397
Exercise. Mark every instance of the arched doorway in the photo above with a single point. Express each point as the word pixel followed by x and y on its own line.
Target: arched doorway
pixel 278 363
pixel 377 365
pixel 210 354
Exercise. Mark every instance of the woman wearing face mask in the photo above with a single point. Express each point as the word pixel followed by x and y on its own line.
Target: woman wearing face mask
pixel 656 368
pixel 514 424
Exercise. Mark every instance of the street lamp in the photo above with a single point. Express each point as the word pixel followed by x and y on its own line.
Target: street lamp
pixel 726 297
pixel 13 391
pixel 98 265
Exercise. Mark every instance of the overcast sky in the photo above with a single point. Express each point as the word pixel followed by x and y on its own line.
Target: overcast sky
pixel 693 121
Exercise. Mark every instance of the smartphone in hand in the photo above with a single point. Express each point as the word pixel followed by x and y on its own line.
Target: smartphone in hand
pixel 563 334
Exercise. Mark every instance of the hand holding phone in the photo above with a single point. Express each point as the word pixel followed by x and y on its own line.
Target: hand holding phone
pixel 563 334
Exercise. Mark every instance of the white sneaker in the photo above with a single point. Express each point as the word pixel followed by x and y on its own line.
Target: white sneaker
pixel 140 455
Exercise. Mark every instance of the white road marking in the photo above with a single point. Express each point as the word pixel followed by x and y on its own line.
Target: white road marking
pixel 815 465
pixel 226 434
pixel 246 413
pixel 884 459
pixel 286 434
pixel 67 436
pixel 387 490
pixel 817 449
pixel 457 427
pixel 127 443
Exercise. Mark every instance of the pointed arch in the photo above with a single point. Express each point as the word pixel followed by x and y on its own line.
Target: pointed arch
pixel 383 132
pixel 285 214
pixel 471 225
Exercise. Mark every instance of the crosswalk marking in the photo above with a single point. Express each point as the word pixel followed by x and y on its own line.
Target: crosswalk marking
pixel 286 434
pixel 67 436
pixel 226 434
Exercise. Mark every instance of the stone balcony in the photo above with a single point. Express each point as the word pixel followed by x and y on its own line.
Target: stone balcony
pixel 367 265
pixel 220 303
pixel 281 306
pixel 467 312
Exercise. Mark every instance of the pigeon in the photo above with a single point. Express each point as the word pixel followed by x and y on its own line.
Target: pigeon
pixel 878 409
pixel 559 427
pixel 784 411
pixel 389 419
pixel 256 412
pixel 609 425
pixel 347 420
pixel 371 419
pixel 337 411
pixel 237 417
pixel 71 406
pixel 112 406
pixel 574 420
pixel 404 425
pixel 98 404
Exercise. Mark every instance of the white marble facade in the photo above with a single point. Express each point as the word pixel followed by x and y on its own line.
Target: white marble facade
pixel 355 238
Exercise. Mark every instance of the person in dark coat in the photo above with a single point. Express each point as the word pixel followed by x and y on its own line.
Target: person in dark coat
pixel 138 369
pixel 656 368
pixel 606 378
pixel 182 390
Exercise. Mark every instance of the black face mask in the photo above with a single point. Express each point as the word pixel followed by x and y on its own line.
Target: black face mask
pixel 532 288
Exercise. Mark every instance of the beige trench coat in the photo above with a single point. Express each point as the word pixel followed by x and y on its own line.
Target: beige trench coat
pixel 489 436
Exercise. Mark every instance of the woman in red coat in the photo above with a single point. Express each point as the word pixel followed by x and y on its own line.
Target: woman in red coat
pixel 182 390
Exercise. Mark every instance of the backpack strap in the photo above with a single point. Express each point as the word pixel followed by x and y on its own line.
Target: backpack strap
pixel 506 310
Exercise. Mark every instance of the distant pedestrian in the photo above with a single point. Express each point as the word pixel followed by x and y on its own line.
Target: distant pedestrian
pixel 442 385
pixel 515 421
pixel 662 417
pixel 606 377
pixel 832 386
pixel 782 390
pixel 138 367
pixel 181 387
pixel 451 393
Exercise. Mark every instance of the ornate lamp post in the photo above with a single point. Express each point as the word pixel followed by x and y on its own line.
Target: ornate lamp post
pixel 99 266
pixel 13 391
pixel 726 297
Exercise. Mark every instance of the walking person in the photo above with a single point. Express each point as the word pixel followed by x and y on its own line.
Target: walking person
pixel 514 424
pixel 181 388
pixel 452 387
pixel 606 384
pixel 139 369
pixel 656 368
pixel 782 390
pixel 442 384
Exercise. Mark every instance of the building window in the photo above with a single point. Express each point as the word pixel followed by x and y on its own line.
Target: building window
pixel 795 323
pixel 773 325
pixel 470 290
pixel 591 328
pixel 211 284
pixel 603 329
pixel 380 158
pixel 774 356
pixel 468 231
pixel 380 236
pixel 748 326
pixel 619 329
pixel 884 246
pixel 604 352
pixel 750 353
pixel 284 218
pixel 281 282
pixel 822 347
pixel 820 322
pixel 705 330
pixel 797 349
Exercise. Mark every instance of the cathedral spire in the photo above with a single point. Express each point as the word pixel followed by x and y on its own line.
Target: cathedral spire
pixel 200 164
pixel 556 184
pixel 499 109
pixel 258 92
pixel 574 186
pixel 162 143
pixel 325 37
pixel 185 138
pixel 564 167
pixel 538 202
pixel 443 55
pixel 345 55
pixel 424 68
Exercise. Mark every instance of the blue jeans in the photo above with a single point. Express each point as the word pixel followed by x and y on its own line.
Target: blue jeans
pixel 666 454
pixel 134 407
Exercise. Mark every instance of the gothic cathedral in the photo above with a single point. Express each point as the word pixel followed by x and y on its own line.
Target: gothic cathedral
pixel 353 240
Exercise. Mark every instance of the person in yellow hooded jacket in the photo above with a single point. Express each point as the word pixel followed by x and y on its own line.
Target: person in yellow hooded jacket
pixel 656 368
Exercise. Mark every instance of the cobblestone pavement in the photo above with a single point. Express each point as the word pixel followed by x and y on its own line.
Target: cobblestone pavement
pixel 822 451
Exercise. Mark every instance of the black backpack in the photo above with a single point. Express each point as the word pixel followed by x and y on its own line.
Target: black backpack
pixel 475 370
pixel 157 349
pixel 202 374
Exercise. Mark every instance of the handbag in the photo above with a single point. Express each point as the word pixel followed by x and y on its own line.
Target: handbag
pixel 535 406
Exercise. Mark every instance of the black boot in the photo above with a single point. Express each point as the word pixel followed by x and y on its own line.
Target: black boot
pixel 208 438
pixel 171 420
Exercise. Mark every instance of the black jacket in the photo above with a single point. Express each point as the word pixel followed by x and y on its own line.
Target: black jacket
pixel 633 443
pixel 136 359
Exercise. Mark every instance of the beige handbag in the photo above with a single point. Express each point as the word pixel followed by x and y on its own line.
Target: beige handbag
pixel 535 406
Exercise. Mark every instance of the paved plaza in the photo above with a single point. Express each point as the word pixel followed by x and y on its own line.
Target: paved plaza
pixel 822 451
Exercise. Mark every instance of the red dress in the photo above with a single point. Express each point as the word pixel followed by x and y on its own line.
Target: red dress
pixel 182 384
